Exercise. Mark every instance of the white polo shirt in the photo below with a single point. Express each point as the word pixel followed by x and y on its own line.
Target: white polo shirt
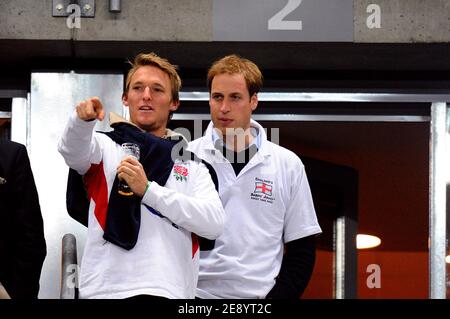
pixel 268 204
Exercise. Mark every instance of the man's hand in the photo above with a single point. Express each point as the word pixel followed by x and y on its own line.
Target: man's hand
pixel 91 109
pixel 132 172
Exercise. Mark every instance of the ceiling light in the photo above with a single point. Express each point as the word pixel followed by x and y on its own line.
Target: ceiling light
pixel 447 259
pixel 367 241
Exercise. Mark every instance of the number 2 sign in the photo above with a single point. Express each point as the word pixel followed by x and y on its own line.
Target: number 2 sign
pixel 283 20
pixel 277 22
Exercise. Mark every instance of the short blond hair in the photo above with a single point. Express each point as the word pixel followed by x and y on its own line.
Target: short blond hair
pixel 232 64
pixel 152 59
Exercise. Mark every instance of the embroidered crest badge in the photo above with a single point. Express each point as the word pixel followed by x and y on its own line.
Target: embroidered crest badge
pixel 180 172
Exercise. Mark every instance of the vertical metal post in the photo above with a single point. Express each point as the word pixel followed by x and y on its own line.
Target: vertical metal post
pixel 437 201
pixel 339 264
pixel 20 120
pixel 345 260
pixel 69 268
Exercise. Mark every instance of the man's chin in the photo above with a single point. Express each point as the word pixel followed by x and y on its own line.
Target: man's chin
pixel 231 131
pixel 148 127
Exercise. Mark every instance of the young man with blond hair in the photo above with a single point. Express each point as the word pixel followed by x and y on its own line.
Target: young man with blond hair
pixel 144 244
pixel 265 193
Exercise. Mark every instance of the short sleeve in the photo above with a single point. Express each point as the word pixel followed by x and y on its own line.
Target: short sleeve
pixel 300 219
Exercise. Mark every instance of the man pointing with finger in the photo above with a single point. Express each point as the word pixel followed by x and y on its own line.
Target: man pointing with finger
pixel 144 244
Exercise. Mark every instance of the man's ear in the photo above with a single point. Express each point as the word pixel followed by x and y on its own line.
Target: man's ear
pixel 254 101
pixel 174 105
pixel 125 99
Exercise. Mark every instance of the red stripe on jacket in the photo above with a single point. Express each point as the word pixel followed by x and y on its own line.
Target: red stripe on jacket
pixel 97 189
pixel 195 244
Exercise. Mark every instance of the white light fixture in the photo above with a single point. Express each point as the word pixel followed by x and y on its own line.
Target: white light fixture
pixel 367 241
pixel 447 259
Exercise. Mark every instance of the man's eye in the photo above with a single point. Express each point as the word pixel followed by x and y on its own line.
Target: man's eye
pixel 217 97
pixel 137 88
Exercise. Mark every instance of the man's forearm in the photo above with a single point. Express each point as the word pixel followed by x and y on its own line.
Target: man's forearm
pixel 76 144
pixel 296 269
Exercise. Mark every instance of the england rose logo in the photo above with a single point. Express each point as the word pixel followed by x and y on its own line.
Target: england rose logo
pixel 180 173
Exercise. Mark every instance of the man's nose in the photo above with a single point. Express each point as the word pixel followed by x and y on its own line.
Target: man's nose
pixel 147 93
pixel 224 106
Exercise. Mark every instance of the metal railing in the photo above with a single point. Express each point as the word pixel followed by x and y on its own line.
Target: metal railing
pixel 69 268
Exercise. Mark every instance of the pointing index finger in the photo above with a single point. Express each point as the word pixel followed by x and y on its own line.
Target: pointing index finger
pixel 98 107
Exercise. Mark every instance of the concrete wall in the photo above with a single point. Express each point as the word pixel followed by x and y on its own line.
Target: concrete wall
pixel 192 20
pixel 139 20
pixel 404 21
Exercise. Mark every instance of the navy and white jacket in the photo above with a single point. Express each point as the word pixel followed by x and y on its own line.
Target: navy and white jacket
pixel 164 261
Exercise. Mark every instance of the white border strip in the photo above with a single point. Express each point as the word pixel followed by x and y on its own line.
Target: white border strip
pixel 330 97
pixel 312 118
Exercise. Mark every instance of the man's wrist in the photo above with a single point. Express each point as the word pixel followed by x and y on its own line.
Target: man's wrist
pixel 146 188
